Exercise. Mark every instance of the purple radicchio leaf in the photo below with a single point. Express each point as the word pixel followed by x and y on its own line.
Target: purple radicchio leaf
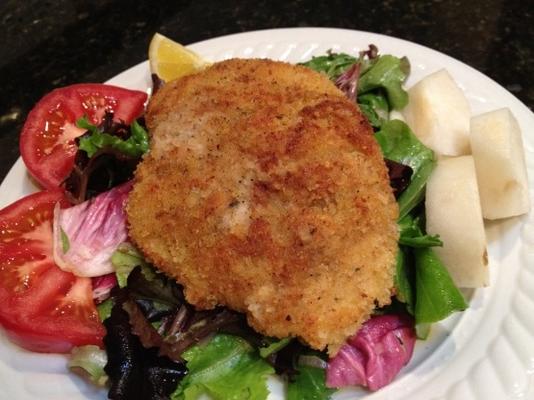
pixel 375 355
pixel 102 286
pixel 347 82
pixel 86 235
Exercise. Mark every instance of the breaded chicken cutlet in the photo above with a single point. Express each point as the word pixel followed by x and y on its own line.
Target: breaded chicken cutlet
pixel 265 191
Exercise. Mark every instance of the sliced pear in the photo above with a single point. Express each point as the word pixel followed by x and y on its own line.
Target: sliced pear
pixel 453 211
pixel 439 114
pixel 500 164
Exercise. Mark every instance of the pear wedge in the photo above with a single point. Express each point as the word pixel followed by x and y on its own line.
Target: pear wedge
pixel 453 211
pixel 500 164
pixel 439 114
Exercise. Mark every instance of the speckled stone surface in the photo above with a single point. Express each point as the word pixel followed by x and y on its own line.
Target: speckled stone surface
pixel 48 44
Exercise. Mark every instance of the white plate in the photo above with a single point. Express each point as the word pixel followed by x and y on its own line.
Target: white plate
pixel 487 352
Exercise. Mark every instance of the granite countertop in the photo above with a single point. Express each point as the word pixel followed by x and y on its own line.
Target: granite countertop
pixel 48 44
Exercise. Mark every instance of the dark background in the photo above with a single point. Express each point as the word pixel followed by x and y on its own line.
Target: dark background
pixel 47 44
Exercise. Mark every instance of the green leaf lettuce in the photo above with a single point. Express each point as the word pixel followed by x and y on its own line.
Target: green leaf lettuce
pixel 437 295
pixel 89 361
pixel 309 384
pixel 389 72
pixel 226 368
pixel 332 64
pixel 135 146
pixel 399 144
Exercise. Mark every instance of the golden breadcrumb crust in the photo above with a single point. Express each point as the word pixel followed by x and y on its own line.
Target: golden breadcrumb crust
pixel 265 191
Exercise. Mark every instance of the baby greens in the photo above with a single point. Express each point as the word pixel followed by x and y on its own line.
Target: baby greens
pixel 388 73
pixel 404 277
pixel 160 346
pixel 437 296
pixel 107 156
pixel 273 347
pixel 92 360
pixel 309 384
pixel 331 64
pixel 377 78
pixel 399 144
pixel 422 282
pixel 96 139
pixel 226 368
pixel 411 233
pixel 136 372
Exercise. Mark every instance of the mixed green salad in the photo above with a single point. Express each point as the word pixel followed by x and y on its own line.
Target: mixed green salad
pixel 219 354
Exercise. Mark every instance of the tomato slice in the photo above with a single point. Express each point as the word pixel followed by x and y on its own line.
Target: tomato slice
pixel 42 307
pixel 47 138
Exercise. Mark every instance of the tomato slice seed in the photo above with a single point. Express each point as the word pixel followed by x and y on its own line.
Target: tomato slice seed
pixel 51 134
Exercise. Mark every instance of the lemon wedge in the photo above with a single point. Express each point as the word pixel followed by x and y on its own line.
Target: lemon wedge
pixel 170 60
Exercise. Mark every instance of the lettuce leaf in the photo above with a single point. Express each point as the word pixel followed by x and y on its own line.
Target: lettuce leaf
pixel 104 309
pixel 436 294
pixel 373 81
pixel 375 107
pixel 93 230
pixel 404 277
pixel 226 368
pixel 388 72
pixel 399 144
pixel 309 384
pixel 124 260
pixel 104 160
pixel 332 64
pixel 423 283
pixel 412 235
pixel 89 361
pixel 134 146
pixel 274 347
